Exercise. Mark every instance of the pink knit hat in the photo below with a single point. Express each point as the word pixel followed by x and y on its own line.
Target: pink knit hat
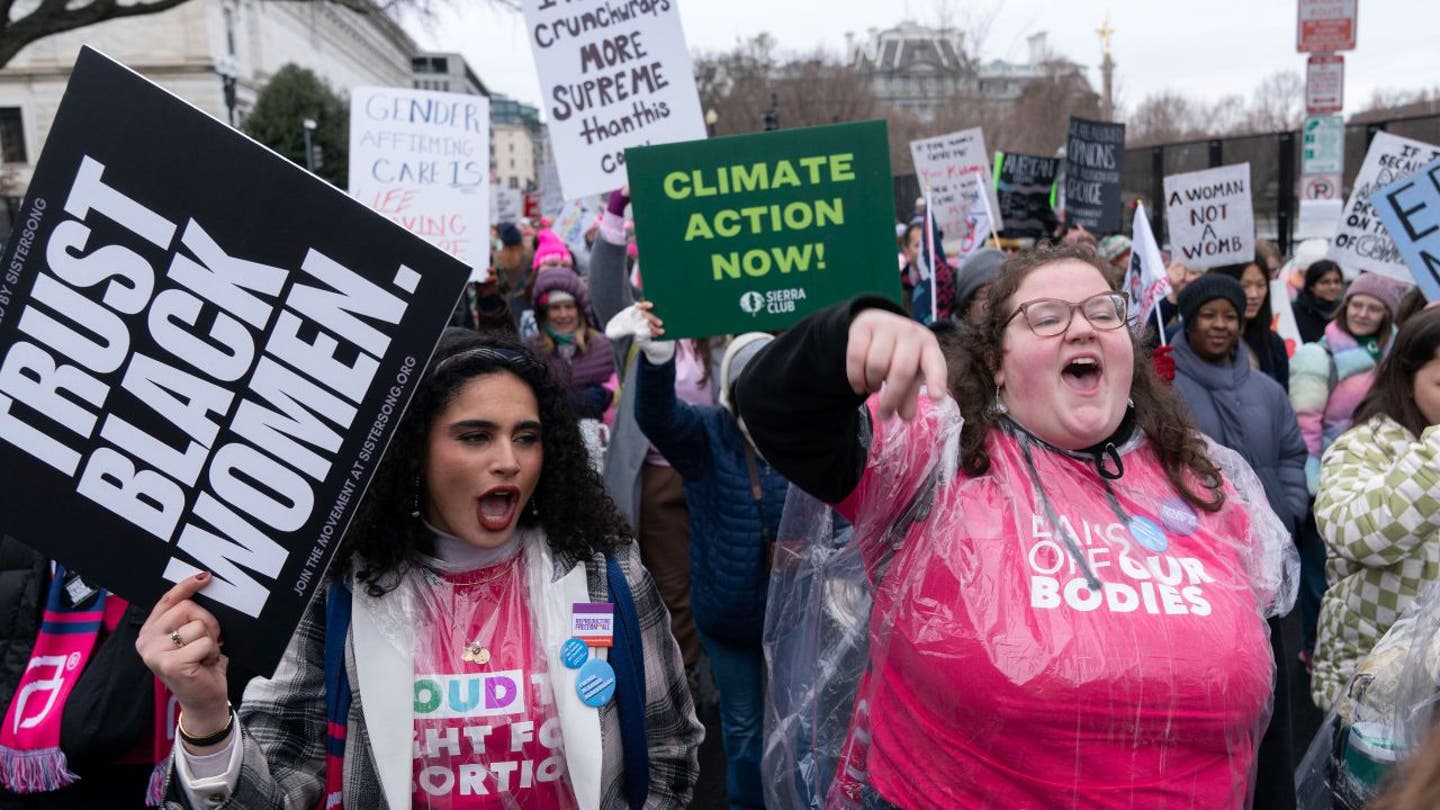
pixel 549 246
pixel 1387 291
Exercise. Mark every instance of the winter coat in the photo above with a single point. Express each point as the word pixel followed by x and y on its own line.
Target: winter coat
pixel 1379 512
pixel 1249 413
pixel 1312 315
pixel 283 738
pixel 1327 381
pixel 730 533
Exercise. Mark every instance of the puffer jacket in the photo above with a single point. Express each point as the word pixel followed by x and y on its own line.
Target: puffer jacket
pixel 1379 512
pixel 730 533
pixel 1327 381
pixel 1249 413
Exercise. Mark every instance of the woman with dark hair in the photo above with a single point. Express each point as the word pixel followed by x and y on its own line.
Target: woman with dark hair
pixel 1068 608
pixel 444 664
pixel 1379 507
pixel 1266 349
pixel 1317 301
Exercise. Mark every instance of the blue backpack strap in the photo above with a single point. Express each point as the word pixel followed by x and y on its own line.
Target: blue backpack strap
pixel 337 688
pixel 628 659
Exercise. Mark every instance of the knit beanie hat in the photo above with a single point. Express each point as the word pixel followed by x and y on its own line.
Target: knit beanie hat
pixel 550 247
pixel 737 356
pixel 1386 291
pixel 556 284
pixel 510 235
pixel 1113 247
pixel 1208 287
pixel 979 268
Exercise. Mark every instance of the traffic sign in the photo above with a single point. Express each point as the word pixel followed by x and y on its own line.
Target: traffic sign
pixel 1320 187
pixel 1322 147
pixel 1324 84
pixel 1325 26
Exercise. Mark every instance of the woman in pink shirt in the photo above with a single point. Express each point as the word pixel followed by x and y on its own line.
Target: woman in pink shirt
pixel 1070 582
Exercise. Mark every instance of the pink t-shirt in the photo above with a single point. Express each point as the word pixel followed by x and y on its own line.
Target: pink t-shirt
pixel 998 679
pixel 487 736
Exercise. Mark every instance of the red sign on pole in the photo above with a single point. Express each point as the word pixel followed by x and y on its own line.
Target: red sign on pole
pixel 1325 26
pixel 1324 84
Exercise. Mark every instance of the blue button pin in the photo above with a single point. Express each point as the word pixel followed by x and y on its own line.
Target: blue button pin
pixel 1148 534
pixel 596 683
pixel 574 653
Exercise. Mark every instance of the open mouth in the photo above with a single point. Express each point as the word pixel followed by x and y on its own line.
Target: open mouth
pixel 1082 374
pixel 497 508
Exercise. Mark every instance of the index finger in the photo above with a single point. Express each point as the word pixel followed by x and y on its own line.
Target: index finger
pixel 932 366
pixel 184 589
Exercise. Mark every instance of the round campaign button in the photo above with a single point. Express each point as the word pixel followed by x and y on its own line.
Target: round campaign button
pixel 1178 517
pixel 574 653
pixel 596 683
pixel 1148 534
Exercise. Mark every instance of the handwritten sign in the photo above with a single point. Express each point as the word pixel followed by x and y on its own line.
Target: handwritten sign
pixel 1361 241
pixel 612 75
pixel 1094 152
pixel 1210 216
pixel 955 171
pixel 422 159
pixel 1024 185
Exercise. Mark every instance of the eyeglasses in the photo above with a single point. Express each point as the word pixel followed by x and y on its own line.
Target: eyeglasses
pixel 1048 317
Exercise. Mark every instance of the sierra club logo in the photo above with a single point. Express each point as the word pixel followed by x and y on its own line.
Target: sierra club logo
pixel 752 302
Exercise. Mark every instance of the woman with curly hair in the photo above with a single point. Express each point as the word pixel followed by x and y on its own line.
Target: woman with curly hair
pixel 456 659
pixel 1069 581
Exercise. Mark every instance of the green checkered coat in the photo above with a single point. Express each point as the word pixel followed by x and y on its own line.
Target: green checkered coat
pixel 1378 509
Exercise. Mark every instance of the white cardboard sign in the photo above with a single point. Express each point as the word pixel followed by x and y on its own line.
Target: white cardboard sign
pixel 955 168
pixel 422 159
pixel 1210 216
pixel 612 76
pixel 1361 241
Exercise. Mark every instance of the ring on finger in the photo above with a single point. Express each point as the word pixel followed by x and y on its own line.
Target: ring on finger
pixel 176 639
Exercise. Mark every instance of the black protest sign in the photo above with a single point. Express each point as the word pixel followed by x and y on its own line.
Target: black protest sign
pixel 203 353
pixel 1094 154
pixel 1025 184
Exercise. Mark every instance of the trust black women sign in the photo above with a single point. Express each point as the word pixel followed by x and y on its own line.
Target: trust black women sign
pixel 203 352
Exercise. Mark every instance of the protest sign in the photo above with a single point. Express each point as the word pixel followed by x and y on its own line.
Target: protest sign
pixel 954 170
pixel 612 76
pixel 204 354
pixel 754 232
pixel 1146 281
pixel 574 219
pixel 1361 241
pixel 1024 185
pixel 422 159
pixel 1210 216
pixel 552 199
pixel 509 203
pixel 1282 318
pixel 1094 152
pixel 1410 209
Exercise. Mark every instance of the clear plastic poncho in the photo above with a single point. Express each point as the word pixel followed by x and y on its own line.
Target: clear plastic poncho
pixel 1034 637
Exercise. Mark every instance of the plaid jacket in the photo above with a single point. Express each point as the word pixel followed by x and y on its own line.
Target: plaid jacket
pixel 1378 509
pixel 284 723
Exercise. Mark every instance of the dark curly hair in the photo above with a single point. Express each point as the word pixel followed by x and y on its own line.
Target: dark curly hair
pixel 575 511
pixel 975 359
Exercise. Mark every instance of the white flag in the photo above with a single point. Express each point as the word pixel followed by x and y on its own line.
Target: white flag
pixel 1145 280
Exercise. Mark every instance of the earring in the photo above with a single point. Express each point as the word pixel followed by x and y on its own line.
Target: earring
pixel 1130 403
pixel 415 499
pixel 534 508
pixel 997 407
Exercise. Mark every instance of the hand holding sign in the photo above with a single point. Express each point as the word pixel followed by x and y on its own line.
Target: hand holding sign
pixel 180 643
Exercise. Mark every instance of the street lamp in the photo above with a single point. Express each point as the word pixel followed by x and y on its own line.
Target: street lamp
pixel 710 118
pixel 309 124
pixel 772 115
pixel 226 66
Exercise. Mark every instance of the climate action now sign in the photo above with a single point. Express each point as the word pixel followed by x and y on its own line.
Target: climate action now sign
pixel 755 232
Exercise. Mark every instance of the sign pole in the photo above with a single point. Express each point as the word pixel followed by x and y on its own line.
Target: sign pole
pixel 930 240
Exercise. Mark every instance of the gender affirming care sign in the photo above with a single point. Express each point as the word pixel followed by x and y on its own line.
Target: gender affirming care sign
pixel 422 159
pixel 1410 209
pixel 1094 155
pixel 1210 216
pixel 1362 241
pixel 754 232
pixel 612 76
pixel 204 350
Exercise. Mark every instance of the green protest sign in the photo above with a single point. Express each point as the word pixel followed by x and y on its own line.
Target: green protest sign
pixel 754 232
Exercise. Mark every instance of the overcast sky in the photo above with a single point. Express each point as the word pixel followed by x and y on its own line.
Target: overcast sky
pixel 1205 49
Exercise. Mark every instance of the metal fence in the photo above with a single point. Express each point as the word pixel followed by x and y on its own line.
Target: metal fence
pixel 1274 160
